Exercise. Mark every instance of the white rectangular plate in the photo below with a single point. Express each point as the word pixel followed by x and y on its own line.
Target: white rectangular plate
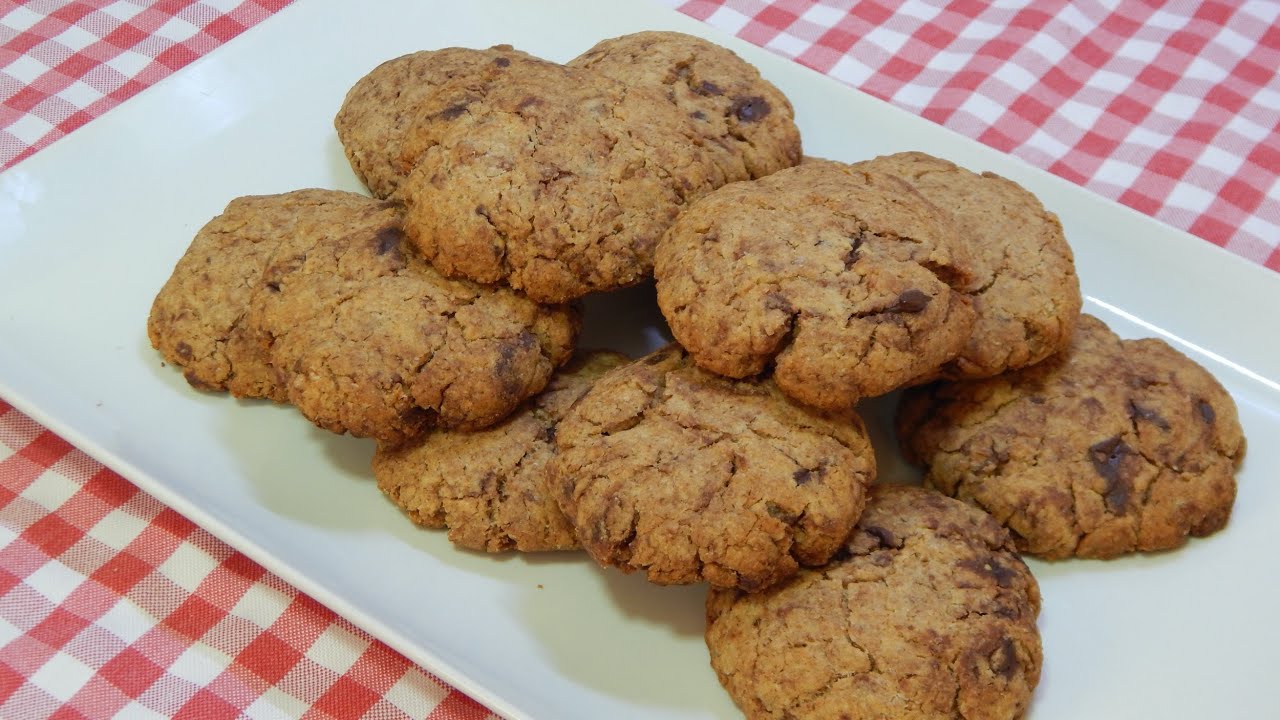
pixel 91 227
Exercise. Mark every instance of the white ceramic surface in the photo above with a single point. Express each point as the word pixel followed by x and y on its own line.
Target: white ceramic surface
pixel 91 227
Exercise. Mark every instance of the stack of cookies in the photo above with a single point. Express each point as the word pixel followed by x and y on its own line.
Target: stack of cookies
pixel 440 318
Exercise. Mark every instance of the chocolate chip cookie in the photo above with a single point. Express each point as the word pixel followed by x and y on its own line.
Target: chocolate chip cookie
pixel 748 123
pixel 846 280
pixel 667 469
pixel 556 181
pixel 380 108
pixel 197 320
pixel 1111 447
pixel 490 488
pixel 346 323
pixel 1025 290
pixel 927 612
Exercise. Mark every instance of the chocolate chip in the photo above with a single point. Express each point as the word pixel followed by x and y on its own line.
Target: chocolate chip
pixel 708 88
pixel 453 111
pixel 183 350
pixel 388 239
pixel 803 476
pixel 1004 661
pixel 502 62
pixel 698 115
pixel 884 537
pixel 910 301
pixel 777 512
pixel 1138 412
pixel 1206 411
pixel 991 567
pixel 505 367
pixel 751 109
pixel 775 300
pixel 851 256
pixel 548 434
pixel 198 383
pixel 1108 459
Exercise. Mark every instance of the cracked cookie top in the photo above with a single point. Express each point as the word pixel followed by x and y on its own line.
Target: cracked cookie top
pixel 927 612
pixel 381 107
pixel 845 280
pixel 197 320
pixel 667 469
pixel 557 181
pixel 311 297
pixel 490 487
pixel 1111 447
pixel 748 123
pixel 1024 285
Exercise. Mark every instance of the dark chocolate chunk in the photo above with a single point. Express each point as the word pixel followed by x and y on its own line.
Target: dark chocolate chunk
pixel 708 88
pixel 775 300
pixel 777 512
pixel 851 256
pixel 183 350
pixel 388 239
pixel 1138 412
pixel 884 537
pixel 502 61
pixel 548 434
pixel 751 109
pixel 1206 411
pixel 453 111
pixel 1004 661
pixel 910 301
pixel 1108 459
pixel 991 567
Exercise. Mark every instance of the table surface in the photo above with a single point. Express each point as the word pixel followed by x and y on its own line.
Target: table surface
pixel 113 605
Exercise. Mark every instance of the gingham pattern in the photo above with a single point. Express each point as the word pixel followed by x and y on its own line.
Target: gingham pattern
pixel 64 63
pixel 112 605
pixel 1170 108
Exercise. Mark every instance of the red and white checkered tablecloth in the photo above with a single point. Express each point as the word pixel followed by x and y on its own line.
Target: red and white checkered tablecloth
pixel 113 605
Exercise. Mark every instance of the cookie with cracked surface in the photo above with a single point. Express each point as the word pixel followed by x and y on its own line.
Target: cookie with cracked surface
pixel 365 337
pixel 748 123
pixel 846 281
pixel 1025 290
pixel 927 612
pixel 490 488
pixel 665 468
pixel 557 181
pixel 198 319
pixel 379 110
pixel 1112 447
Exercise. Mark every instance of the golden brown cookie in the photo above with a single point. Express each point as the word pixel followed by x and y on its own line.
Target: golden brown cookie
pixel 369 339
pixel 844 280
pixel 379 109
pixel 927 613
pixel 197 320
pixel 1024 289
pixel 1113 446
pixel 665 468
pixel 310 297
pixel 556 181
pixel 748 123
pixel 490 488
